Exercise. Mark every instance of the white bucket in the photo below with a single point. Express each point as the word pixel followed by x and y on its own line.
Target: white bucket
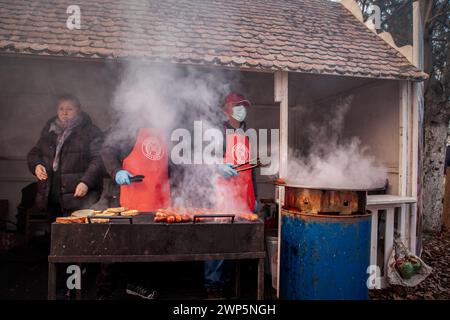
pixel 272 254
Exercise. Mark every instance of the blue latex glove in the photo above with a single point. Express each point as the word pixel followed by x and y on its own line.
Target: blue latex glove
pixel 226 170
pixel 257 206
pixel 123 177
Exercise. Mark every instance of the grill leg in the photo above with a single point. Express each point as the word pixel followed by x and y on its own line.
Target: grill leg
pixel 51 289
pixel 260 293
pixel 237 278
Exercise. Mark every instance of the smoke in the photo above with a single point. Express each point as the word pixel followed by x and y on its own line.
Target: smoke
pixel 330 160
pixel 166 97
pixel 169 97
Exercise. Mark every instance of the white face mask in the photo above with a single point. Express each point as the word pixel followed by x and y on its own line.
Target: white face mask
pixel 239 113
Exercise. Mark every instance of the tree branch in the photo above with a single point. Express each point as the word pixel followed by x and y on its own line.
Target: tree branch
pixel 431 20
pixel 439 40
pixel 440 12
pixel 427 13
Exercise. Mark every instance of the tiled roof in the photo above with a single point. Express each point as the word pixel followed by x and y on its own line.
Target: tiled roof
pixel 312 36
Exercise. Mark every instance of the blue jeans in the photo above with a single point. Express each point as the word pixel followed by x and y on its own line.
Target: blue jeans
pixel 217 273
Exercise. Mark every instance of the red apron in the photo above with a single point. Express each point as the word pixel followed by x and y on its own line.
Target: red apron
pixel 149 158
pixel 236 194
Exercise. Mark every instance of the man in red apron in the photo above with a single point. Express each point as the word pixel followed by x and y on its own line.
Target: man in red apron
pixel 241 187
pixel 146 155
pixel 235 191
pixel 238 187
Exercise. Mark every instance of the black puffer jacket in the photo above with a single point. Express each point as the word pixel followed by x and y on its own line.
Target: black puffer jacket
pixel 79 162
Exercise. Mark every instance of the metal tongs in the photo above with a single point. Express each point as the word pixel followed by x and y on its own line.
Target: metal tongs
pixel 137 178
pixel 249 165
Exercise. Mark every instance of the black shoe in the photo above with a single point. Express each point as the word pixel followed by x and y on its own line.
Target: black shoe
pixel 141 292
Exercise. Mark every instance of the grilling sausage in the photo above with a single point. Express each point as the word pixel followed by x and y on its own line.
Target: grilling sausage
pixel 160 219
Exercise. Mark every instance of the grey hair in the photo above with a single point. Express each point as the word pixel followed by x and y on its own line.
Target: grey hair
pixel 69 97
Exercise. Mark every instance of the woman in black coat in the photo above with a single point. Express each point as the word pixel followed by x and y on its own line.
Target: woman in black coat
pixel 66 160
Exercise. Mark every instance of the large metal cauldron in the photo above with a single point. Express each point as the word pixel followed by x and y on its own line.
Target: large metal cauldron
pixel 325 244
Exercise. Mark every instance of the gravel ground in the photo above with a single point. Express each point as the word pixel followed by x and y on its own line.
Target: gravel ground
pixel 436 253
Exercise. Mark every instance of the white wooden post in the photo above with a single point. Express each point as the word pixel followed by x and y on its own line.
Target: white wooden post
pixel 408 225
pixel 415 145
pixel 388 235
pixel 413 228
pixel 410 152
pixel 281 96
pixel 404 137
pixel 417 121
pixel 401 222
pixel 374 238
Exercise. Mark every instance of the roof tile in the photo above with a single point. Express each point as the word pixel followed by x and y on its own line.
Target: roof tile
pixel 316 36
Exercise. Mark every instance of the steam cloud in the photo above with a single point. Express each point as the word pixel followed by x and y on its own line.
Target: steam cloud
pixel 331 161
pixel 168 97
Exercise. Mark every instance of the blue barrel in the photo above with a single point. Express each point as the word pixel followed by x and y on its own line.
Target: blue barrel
pixel 324 257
